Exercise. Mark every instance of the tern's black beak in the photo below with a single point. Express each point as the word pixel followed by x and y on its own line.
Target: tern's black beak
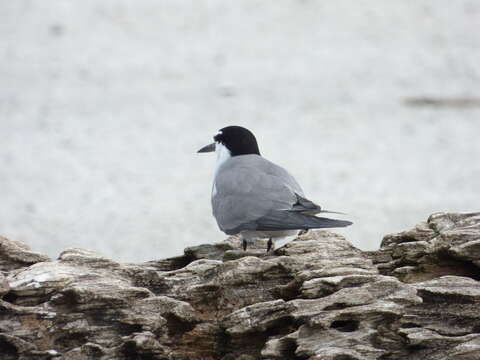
pixel 208 148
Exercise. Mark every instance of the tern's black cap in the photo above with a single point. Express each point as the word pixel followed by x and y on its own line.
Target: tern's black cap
pixel 238 140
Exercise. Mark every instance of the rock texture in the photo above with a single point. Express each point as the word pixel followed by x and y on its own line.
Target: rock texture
pixel 417 297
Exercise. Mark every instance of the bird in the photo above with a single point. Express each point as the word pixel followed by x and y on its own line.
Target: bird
pixel 255 198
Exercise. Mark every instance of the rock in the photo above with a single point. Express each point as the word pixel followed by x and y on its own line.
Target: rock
pixel 15 255
pixel 316 298
pixel 4 286
pixel 446 244
pixel 207 251
pixel 256 318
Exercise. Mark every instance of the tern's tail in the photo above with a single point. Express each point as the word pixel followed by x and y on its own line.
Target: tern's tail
pixel 331 212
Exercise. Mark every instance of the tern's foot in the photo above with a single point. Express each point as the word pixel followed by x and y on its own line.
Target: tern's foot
pixel 269 245
pixel 244 245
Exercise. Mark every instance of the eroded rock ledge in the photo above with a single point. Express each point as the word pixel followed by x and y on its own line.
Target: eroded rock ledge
pixel 418 297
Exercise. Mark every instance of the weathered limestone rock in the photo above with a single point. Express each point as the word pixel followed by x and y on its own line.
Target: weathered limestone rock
pixel 417 297
pixel 15 254
pixel 446 244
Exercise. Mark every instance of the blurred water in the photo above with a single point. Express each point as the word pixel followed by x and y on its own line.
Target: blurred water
pixel 104 103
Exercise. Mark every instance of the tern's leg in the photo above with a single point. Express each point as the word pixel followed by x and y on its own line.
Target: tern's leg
pixel 247 239
pixel 269 244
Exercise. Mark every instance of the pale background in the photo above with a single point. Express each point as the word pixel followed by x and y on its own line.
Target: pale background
pixel 103 105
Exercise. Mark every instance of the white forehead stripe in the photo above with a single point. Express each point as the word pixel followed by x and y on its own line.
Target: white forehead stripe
pixel 220 132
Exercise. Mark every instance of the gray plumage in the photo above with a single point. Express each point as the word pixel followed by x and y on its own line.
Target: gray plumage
pixel 252 193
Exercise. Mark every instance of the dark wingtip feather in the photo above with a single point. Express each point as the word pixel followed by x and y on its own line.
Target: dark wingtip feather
pixel 283 220
pixel 326 222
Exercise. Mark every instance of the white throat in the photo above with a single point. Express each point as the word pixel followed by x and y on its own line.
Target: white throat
pixel 223 154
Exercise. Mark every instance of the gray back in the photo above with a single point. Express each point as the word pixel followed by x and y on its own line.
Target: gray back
pixel 248 187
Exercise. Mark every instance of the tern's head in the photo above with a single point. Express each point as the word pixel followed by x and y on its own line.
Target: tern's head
pixel 236 139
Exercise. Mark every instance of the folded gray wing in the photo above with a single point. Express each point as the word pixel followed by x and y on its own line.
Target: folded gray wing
pixel 249 187
pixel 251 193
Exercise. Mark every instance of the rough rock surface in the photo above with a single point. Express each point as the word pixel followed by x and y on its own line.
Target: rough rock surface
pixel 417 297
